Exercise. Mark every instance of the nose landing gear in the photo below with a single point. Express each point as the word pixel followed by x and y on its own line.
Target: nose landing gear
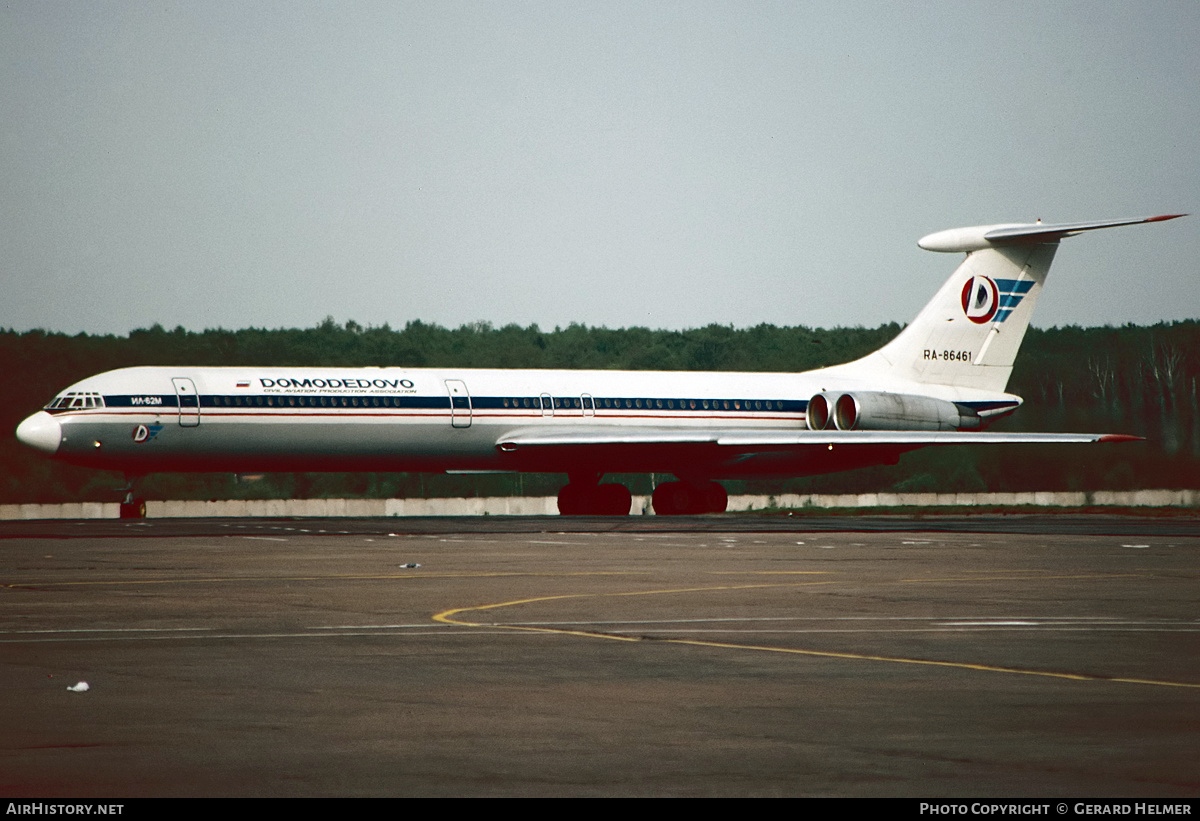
pixel 132 507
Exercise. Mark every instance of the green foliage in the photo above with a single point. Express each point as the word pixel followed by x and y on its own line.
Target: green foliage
pixel 1140 380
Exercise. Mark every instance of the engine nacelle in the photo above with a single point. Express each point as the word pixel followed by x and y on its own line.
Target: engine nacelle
pixel 820 412
pixel 877 410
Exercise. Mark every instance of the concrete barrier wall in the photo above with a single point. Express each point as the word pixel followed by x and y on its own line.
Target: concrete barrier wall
pixel 1116 498
pixel 69 510
pixel 548 505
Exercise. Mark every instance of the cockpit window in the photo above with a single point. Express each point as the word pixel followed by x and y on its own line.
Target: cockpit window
pixel 76 400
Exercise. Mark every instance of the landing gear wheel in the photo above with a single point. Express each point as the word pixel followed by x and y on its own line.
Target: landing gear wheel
pixel 685 498
pixel 716 498
pixel 133 509
pixel 675 499
pixel 572 500
pixel 614 500
pixel 577 499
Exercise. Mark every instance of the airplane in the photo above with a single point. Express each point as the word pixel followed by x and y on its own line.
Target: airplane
pixel 941 381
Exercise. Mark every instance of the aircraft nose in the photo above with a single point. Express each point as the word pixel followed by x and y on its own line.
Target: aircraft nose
pixel 41 432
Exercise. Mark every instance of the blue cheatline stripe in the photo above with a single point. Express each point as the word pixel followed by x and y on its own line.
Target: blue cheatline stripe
pixel 143 400
pixel 351 402
pixel 992 405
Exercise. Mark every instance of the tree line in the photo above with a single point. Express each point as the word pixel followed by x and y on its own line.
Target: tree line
pixel 1129 379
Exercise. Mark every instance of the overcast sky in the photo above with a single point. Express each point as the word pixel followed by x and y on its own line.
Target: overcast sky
pixel 233 164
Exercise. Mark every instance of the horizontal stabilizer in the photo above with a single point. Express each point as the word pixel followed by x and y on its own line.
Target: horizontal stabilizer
pixel 1047 233
pixel 994 236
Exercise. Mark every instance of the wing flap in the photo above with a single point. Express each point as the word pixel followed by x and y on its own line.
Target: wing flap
pixel 768 439
pixel 604 436
pixel 915 437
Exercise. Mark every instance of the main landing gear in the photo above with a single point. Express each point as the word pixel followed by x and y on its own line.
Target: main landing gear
pixel 585 496
pixel 689 498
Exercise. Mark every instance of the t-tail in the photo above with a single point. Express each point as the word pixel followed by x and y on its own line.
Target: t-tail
pixel 969 333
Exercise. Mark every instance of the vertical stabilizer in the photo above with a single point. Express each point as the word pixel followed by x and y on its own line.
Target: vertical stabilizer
pixel 969 334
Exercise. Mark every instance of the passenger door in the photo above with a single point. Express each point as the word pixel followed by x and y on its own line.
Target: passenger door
pixel 460 403
pixel 189 401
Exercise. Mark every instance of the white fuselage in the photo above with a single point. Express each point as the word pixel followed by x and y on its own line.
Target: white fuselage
pixel 151 419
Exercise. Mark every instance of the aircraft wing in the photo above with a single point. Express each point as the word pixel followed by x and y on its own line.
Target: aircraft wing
pixel 786 439
pixel 912 437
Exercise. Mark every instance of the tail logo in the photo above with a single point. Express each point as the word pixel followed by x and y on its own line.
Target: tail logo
pixel 980 299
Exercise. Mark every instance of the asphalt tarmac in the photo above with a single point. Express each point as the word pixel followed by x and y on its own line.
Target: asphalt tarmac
pixel 469 658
